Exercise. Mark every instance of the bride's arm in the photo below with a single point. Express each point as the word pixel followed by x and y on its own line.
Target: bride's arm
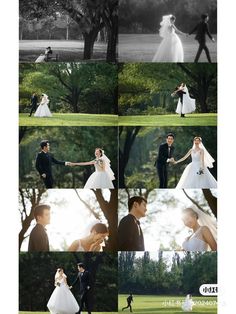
pixel 87 163
pixel 185 157
pixel 74 246
pixel 178 31
pixel 208 238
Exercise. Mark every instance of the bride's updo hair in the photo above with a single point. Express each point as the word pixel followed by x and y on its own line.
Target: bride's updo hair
pixel 190 211
pixel 198 138
pixel 172 18
pixel 100 150
pixel 100 228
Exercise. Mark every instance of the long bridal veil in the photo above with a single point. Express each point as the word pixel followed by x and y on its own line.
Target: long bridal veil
pixel 108 166
pixel 205 219
pixel 208 159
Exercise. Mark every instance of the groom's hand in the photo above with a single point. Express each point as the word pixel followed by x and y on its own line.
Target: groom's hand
pixel 44 175
pixel 213 39
pixel 70 287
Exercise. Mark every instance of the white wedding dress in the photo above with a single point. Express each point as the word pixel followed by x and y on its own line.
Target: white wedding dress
pixel 101 178
pixel 187 306
pixel 171 48
pixel 195 242
pixel 62 300
pixel 43 110
pixel 188 105
pixel 190 178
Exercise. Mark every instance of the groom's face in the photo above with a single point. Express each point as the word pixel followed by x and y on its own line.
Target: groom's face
pixel 170 140
pixel 47 148
pixel 45 218
pixel 141 208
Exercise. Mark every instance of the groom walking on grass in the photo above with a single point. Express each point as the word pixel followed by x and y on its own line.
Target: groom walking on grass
pixel 44 162
pixel 34 102
pixel 165 156
pixel 84 279
pixel 202 29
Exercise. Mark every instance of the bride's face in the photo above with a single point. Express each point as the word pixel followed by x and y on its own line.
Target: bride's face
pixel 197 141
pixel 189 220
pixel 97 153
pixel 99 237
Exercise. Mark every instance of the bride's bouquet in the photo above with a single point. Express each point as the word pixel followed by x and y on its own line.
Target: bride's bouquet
pixel 200 172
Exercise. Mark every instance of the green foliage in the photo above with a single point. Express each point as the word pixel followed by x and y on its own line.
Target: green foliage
pixel 37 270
pixel 69 144
pixel 182 275
pixel 143 86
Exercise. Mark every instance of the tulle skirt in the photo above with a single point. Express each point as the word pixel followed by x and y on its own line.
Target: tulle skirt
pixel 62 301
pixel 187 306
pixel 43 111
pixel 188 106
pixel 191 180
pixel 99 180
pixel 170 50
pixel 40 59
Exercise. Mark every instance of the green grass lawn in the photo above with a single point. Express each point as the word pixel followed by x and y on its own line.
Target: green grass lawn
pixel 69 119
pixel 151 304
pixel 83 312
pixel 200 119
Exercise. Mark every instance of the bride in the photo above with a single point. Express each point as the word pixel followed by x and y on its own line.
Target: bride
pixel 203 237
pixel 188 105
pixel 93 240
pixel 43 110
pixel 187 306
pixel 103 176
pixel 170 49
pixel 62 300
pixel 196 174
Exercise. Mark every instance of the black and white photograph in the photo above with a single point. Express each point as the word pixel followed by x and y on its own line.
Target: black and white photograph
pixel 167 31
pixel 73 30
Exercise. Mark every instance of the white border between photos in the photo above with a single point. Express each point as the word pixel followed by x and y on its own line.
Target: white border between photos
pixel 9 154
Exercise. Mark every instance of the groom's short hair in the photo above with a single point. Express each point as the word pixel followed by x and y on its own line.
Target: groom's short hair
pixel 138 199
pixel 39 209
pixel 170 134
pixel 44 143
pixel 204 16
pixel 81 265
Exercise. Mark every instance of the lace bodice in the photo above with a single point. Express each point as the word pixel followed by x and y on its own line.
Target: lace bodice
pixel 196 156
pixel 61 280
pixel 195 242
pixel 98 164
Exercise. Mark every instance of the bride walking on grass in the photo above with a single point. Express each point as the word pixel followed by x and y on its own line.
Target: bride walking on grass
pixel 62 300
pixel 187 306
pixel 171 48
pixel 43 110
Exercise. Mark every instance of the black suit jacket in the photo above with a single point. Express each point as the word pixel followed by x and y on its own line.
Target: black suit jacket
pixel 85 281
pixel 202 30
pixel 163 154
pixel 130 236
pixel 38 241
pixel 44 163
pixel 180 94
pixel 34 101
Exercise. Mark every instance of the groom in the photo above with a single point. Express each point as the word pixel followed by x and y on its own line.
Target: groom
pixel 130 235
pixel 84 279
pixel 165 156
pixel 202 30
pixel 180 92
pixel 34 102
pixel 38 240
pixel 44 162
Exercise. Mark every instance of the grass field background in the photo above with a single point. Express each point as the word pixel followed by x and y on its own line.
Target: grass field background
pixel 68 50
pixel 142 48
pixel 69 119
pixel 201 119
pixel 151 304
pixel 72 119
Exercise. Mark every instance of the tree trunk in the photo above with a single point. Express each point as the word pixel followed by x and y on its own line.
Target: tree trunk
pixel 111 45
pixel 89 40
pixel 211 200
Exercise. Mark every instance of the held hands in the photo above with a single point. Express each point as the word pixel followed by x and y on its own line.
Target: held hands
pixel 44 175
pixel 70 287
pixel 171 160
pixel 213 39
